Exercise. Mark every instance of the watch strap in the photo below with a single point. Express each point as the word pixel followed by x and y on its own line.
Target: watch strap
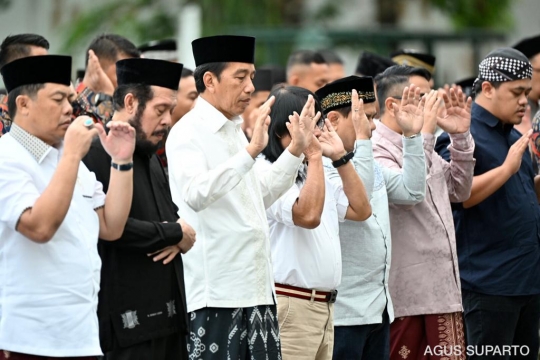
pixel 344 159
pixel 122 167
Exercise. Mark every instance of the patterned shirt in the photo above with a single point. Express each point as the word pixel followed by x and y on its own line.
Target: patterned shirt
pixel 5 120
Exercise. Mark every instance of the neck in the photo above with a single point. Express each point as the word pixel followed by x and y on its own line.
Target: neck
pixel 26 127
pixel 390 122
pixel 120 116
pixel 211 99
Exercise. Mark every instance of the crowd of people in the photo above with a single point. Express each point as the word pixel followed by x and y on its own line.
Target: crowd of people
pixel 152 212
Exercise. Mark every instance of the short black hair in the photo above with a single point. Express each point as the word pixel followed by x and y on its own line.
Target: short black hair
pixel 394 77
pixel 215 68
pixel 304 57
pixel 186 72
pixel 29 90
pixel 331 57
pixel 142 92
pixel 110 46
pixel 18 46
pixel 288 99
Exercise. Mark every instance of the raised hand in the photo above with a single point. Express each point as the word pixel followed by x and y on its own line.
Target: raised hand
pixel 332 146
pixel 314 150
pixel 458 112
pixel 409 114
pixel 360 121
pixel 95 78
pixel 301 127
pixel 432 106
pixel 119 143
pixel 259 138
pixel 79 137
pixel 515 154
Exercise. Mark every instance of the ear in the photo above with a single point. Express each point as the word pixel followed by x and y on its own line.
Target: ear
pixel 23 105
pixel 130 103
pixel 488 89
pixel 389 104
pixel 294 80
pixel 210 81
pixel 334 118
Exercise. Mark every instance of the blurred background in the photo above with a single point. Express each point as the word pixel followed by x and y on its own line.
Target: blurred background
pixel 458 32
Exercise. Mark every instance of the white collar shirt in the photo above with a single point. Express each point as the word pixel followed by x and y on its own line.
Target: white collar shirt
pixel 48 292
pixel 307 258
pixel 215 187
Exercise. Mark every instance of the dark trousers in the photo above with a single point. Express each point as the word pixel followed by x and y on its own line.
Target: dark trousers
pixel 363 342
pixel 501 321
pixel 172 347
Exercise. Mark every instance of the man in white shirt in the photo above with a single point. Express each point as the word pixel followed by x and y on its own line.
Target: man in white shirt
pixel 363 309
pixel 304 229
pixel 52 211
pixel 228 273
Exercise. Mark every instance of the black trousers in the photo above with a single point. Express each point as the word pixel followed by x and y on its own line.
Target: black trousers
pixel 172 347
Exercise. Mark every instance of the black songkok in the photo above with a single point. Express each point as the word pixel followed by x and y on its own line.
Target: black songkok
pixel 504 64
pixel 37 70
pixel 371 64
pixel 150 72
pixel 224 48
pixel 338 94
pixel 529 46
pixel 415 59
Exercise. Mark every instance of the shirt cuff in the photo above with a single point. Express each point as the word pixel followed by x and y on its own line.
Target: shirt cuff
pixel 463 141
pixel 363 149
pixel 429 142
pixel 288 162
pixel 172 233
pixel 242 162
pixel 414 145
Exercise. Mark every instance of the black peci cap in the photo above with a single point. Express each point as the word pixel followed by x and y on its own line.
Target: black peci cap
pixel 224 48
pixel 337 94
pixel 37 70
pixel 150 72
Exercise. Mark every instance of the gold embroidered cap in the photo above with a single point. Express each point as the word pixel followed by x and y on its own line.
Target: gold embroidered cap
pixel 413 58
pixel 337 94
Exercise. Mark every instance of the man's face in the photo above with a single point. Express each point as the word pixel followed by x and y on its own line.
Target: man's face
pixel 185 99
pixel 313 77
pixel 535 92
pixel 336 72
pixel 345 128
pixel 49 112
pixel 509 101
pixel 234 88
pixel 154 122
pixel 110 68
pixel 251 112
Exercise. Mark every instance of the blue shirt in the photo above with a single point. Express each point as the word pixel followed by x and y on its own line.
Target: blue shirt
pixel 498 240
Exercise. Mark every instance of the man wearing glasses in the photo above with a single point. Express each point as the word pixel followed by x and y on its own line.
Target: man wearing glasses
pixel 424 276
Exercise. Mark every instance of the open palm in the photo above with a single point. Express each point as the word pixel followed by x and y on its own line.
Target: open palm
pixel 409 114
pixel 119 143
pixel 458 113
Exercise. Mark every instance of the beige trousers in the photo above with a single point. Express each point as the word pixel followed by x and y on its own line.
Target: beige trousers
pixel 306 328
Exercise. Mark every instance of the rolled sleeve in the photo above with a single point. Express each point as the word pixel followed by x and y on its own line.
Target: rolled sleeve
pixel 99 195
pixel 462 146
pixel 282 210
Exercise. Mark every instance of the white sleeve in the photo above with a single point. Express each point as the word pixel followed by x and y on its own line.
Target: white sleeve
pixel 281 209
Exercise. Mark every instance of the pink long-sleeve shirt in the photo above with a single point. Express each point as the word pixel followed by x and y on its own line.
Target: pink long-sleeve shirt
pixel 424 276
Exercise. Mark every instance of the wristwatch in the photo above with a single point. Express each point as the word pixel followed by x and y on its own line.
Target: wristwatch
pixel 412 136
pixel 345 159
pixel 122 167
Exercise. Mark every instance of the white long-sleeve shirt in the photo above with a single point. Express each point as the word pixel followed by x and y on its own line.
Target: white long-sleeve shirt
pixel 217 191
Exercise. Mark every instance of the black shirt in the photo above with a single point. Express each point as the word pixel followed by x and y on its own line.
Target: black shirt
pixel 140 299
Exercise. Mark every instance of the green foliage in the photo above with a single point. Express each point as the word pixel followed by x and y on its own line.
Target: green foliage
pixel 486 14
pixel 138 20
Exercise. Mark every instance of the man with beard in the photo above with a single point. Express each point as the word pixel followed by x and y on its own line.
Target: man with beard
pixel 142 308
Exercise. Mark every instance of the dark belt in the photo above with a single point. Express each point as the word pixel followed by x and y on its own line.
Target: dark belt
pixel 306 294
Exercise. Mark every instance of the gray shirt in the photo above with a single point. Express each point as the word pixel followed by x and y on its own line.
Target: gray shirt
pixel 366 245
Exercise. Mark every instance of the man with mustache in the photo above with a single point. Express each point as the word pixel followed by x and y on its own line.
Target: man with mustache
pixel 498 227
pixel 142 308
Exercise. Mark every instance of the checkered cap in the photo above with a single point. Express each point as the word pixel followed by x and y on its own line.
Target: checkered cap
pixel 500 69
